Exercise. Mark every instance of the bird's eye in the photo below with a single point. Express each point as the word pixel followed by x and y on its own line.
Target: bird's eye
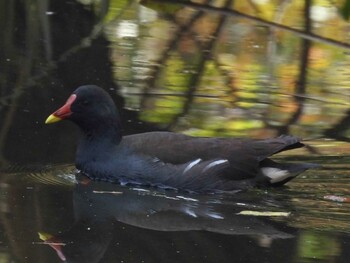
pixel 85 102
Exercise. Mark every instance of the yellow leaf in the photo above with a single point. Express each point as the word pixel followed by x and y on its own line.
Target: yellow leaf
pixel 263 213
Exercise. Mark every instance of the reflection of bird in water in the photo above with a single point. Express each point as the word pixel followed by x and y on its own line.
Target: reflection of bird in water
pixel 100 207
pixel 170 160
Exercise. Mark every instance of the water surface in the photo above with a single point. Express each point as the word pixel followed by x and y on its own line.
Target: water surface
pixel 199 72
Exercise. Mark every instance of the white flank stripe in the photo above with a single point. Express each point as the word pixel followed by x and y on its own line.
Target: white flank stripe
pixel 212 164
pixel 215 215
pixel 187 198
pixel 190 212
pixel 193 163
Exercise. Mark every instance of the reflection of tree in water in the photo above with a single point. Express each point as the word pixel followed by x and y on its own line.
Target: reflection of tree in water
pixel 340 128
pixel 187 99
pixel 205 48
pixel 35 68
pixel 43 60
pixel 39 64
pixel 300 86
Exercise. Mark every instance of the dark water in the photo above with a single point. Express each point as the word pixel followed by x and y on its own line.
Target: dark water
pixel 171 68
pixel 100 222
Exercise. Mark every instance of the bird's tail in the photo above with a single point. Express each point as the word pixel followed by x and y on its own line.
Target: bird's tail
pixel 277 174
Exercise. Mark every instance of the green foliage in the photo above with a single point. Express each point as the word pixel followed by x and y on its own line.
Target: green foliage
pixel 114 9
pixel 164 8
pixel 345 10
pixel 244 83
pixel 175 76
pixel 317 246
pixel 164 109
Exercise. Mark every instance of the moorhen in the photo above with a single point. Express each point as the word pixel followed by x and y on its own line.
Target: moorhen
pixel 167 159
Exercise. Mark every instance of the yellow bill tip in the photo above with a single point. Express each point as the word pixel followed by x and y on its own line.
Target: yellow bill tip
pixel 52 118
pixel 44 236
